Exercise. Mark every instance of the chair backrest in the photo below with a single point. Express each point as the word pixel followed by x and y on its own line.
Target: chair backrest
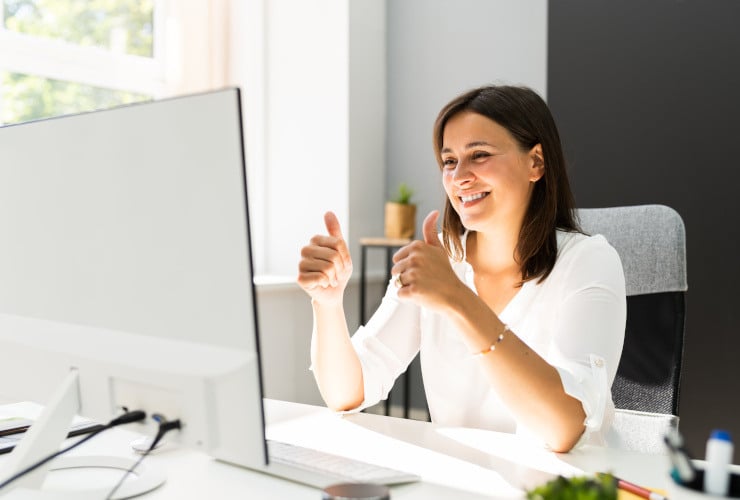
pixel 640 431
pixel 651 242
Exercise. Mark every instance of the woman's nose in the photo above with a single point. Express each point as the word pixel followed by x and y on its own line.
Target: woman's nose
pixel 463 174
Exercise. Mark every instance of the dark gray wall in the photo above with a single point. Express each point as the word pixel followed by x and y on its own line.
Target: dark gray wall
pixel 645 93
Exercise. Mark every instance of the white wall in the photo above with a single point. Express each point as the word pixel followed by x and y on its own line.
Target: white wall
pixel 325 66
pixel 307 123
pixel 367 113
pixel 324 124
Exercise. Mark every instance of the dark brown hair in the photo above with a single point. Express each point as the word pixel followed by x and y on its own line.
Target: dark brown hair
pixel 528 119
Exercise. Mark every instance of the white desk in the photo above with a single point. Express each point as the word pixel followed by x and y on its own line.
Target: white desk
pixel 454 463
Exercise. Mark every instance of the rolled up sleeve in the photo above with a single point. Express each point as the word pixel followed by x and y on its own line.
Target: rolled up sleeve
pixel 589 331
pixel 386 346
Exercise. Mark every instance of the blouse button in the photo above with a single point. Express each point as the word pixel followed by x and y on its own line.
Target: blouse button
pixel 599 363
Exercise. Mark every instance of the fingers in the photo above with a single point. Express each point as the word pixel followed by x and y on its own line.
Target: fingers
pixel 325 261
pixel 332 225
pixel 321 263
pixel 430 229
pixel 310 280
pixel 335 230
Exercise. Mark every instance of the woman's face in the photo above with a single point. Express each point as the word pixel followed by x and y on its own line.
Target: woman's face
pixel 485 173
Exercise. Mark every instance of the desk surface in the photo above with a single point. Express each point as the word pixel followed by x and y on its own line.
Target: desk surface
pixel 454 463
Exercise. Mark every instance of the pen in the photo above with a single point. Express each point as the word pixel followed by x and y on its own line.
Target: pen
pixel 683 469
pixel 635 489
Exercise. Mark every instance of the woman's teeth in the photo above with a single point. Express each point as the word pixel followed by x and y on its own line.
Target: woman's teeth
pixel 472 197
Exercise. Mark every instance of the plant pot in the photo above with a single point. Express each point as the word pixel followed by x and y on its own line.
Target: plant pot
pixel 400 220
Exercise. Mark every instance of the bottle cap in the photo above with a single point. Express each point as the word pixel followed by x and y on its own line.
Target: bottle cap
pixel 720 434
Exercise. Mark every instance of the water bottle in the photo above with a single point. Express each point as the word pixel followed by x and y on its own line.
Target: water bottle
pixel 719 458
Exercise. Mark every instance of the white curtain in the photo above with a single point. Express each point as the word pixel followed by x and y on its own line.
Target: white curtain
pixel 198 48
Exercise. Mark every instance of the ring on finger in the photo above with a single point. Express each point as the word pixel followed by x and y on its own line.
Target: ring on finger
pixel 397 281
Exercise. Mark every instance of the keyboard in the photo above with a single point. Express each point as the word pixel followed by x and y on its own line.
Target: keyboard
pixel 343 469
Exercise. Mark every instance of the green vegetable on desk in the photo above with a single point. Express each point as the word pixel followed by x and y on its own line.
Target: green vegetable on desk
pixel 576 488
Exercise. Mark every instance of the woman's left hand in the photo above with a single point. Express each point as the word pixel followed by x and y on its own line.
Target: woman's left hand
pixel 422 270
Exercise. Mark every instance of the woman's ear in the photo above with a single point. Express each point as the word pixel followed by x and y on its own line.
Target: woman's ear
pixel 537 170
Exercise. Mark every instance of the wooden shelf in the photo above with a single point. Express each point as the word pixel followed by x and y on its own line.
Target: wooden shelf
pixel 379 241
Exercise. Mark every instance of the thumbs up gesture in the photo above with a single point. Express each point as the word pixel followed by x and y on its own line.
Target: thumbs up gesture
pixel 326 266
pixel 429 229
pixel 422 269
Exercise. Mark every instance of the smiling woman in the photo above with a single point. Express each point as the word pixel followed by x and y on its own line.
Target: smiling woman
pixel 519 317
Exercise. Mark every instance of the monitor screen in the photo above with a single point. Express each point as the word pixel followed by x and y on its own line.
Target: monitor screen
pixel 132 219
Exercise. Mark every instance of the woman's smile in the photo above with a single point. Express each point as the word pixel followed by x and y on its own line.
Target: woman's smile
pixel 470 199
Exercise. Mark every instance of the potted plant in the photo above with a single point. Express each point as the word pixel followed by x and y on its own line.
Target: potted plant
pixel 400 214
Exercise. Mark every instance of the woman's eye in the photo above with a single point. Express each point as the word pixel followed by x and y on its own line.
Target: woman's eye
pixel 449 162
pixel 481 154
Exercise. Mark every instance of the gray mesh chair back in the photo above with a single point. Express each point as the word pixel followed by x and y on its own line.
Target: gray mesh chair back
pixel 651 242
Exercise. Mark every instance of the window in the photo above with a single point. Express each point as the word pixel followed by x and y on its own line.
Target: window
pixel 67 56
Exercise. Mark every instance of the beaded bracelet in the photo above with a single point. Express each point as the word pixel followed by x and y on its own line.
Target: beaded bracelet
pixel 493 346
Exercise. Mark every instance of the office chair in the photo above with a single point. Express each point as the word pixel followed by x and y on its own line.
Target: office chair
pixel 651 242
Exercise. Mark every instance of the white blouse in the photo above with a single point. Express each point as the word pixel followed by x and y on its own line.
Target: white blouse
pixel 575 320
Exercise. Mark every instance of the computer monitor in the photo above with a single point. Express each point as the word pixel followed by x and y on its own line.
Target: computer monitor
pixel 125 255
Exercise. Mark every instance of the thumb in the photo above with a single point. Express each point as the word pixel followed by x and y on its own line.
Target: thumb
pixel 430 229
pixel 332 225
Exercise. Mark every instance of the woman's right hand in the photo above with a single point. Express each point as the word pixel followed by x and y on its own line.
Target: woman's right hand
pixel 326 265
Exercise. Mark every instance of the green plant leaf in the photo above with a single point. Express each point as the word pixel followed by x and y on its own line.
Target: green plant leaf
pixel 602 487
pixel 404 194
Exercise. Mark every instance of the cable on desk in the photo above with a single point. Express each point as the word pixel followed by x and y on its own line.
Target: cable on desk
pixel 126 418
pixel 164 427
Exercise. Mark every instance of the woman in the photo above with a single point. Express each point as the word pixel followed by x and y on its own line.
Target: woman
pixel 518 316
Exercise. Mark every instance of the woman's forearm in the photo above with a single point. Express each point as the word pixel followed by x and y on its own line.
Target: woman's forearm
pixel 336 366
pixel 529 386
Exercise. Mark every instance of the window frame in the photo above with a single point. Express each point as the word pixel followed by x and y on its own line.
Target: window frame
pixel 94 66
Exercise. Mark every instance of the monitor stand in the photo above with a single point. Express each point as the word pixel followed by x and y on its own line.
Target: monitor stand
pixel 46 435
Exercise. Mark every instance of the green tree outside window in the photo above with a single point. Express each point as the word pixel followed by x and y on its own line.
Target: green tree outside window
pixel 121 26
